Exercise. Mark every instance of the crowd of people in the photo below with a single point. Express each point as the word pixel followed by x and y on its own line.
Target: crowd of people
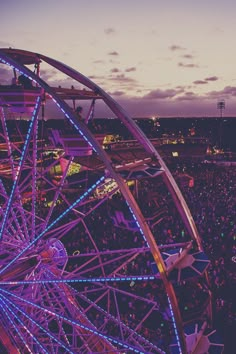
pixel 213 204
pixel 211 200
pixel 108 226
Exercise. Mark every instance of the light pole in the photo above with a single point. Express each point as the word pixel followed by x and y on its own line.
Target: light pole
pixel 221 107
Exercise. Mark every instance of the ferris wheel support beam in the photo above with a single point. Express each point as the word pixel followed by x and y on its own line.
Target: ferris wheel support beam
pixel 62 181
pixel 15 219
pixel 63 318
pixel 140 136
pixel 19 169
pixel 8 309
pixel 49 227
pixel 34 180
pixel 37 324
pixel 7 341
pixel 134 208
pixel 82 128
pixel 132 332
pixel 24 234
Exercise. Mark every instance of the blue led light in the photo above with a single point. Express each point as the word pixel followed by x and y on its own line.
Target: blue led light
pixel 87 280
pixel 174 324
pixel 12 167
pixel 137 223
pixel 73 322
pixel 42 329
pixel 56 102
pixel 15 219
pixel 21 323
pixel 75 125
pixel 19 71
pixel 115 319
pixel 34 179
pixel 22 158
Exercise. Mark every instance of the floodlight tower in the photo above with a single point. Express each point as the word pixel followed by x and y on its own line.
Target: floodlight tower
pixel 221 107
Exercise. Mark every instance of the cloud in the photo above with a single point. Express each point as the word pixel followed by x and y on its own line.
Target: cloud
pixel 163 94
pixel 174 48
pixel 99 61
pixel 200 82
pixel 48 75
pixel 187 56
pixel 114 53
pixel 117 93
pixel 189 65
pixel 205 81
pixel 115 70
pixel 188 96
pixel 123 79
pixel 128 70
pixel 211 78
pixel 109 30
pixel 227 92
pixel 4 75
pixel 95 77
pixel 173 103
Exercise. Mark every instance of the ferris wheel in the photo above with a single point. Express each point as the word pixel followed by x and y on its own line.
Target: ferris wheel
pixel 84 265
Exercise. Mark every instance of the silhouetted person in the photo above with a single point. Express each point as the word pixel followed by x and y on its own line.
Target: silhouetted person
pixel 25 81
pixel 78 111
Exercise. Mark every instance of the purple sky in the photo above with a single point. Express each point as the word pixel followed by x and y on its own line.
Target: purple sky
pixel 155 57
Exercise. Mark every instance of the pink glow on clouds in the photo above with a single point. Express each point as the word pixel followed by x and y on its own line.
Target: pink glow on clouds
pixel 171 58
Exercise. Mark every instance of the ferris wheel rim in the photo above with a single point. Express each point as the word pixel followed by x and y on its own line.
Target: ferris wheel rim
pixel 82 129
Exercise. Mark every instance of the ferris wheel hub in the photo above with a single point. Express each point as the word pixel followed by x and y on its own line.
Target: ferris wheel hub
pixel 54 253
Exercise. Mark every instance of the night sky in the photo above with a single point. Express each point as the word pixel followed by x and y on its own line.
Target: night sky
pixel 155 57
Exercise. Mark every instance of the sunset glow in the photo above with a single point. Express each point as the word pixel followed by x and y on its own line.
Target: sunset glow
pixel 155 58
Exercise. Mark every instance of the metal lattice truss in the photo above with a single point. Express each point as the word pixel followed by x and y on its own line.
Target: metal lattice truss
pixel 71 281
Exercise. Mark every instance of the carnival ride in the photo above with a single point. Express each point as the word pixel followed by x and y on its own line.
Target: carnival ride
pixel 82 268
